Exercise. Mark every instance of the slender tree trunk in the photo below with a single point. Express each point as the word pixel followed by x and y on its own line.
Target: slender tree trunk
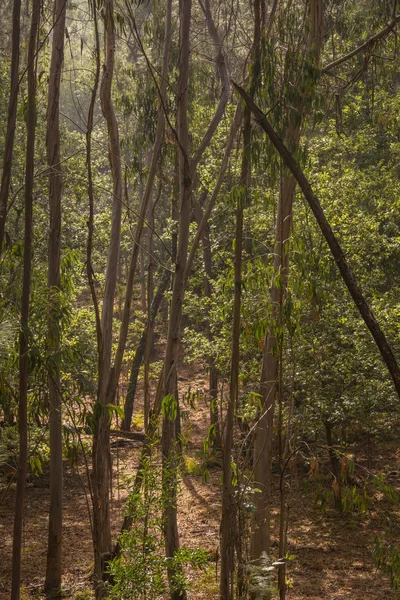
pixel 228 518
pixel 140 351
pixel 212 369
pixel 143 294
pixel 150 324
pixel 229 521
pixel 11 119
pixel 260 539
pixel 26 285
pixel 108 377
pixel 187 170
pixel 53 568
pixel 90 120
pixel 331 450
pixel 116 371
pixel 101 456
pixel 169 452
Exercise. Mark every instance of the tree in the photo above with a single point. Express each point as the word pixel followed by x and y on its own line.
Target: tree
pixel 173 339
pixel 26 285
pixel 11 119
pixel 260 541
pixel 53 567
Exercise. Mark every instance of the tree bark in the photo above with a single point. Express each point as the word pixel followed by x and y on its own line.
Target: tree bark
pixel 169 452
pixel 260 538
pixel 89 267
pixel 101 457
pixel 228 518
pixel 26 285
pixel 140 351
pixel 11 119
pixel 212 369
pixel 53 567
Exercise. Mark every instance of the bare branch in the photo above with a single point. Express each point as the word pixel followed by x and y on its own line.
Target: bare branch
pixel 364 46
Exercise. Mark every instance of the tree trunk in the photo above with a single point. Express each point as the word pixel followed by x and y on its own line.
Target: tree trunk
pixel 53 567
pixel 229 520
pixel 228 524
pixel 101 457
pixel 150 323
pixel 90 120
pixel 140 351
pixel 169 453
pixel 11 120
pixel 260 539
pixel 143 294
pixel 26 285
pixel 114 376
pixel 187 170
pixel 212 369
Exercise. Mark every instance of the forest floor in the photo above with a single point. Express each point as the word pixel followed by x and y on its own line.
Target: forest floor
pixel 331 556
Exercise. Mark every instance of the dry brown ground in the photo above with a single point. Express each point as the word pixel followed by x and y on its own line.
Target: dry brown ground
pixel 332 554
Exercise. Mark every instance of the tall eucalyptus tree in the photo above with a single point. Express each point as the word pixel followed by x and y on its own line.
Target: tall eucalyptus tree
pixel 26 288
pixel 53 567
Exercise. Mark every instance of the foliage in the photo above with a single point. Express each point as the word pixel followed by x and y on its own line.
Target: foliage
pixel 141 570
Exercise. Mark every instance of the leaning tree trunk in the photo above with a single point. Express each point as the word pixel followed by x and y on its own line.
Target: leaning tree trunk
pixel 11 119
pixel 340 259
pixel 53 568
pixel 26 285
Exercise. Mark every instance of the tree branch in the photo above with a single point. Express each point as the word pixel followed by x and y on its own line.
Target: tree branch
pixel 372 40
